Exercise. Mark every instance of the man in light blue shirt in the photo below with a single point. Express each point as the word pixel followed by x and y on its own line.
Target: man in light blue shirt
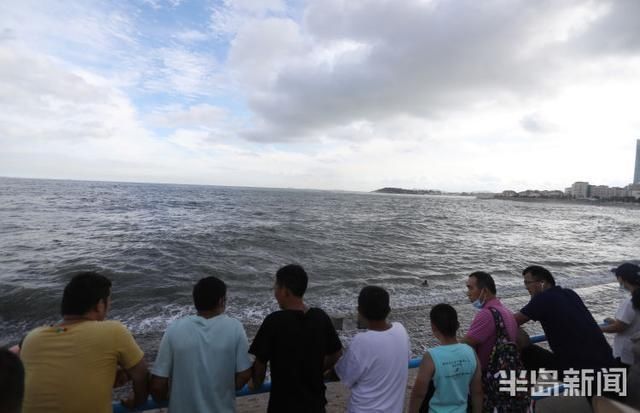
pixel 205 356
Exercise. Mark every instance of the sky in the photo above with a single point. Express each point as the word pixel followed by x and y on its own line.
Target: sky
pixel 459 95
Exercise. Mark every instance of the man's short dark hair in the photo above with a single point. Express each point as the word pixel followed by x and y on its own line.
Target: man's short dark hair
pixel 484 280
pixel 11 382
pixel 630 273
pixel 539 274
pixel 83 292
pixel 445 319
pixel 373 303
pixel 294 278
pixel 207 293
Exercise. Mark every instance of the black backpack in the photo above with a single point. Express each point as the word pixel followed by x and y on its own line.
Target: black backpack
pixel 504 357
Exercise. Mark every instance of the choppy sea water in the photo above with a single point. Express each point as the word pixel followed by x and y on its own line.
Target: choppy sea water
pixel 154 241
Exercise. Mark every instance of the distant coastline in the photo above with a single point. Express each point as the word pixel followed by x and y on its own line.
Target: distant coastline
pixel 593 202
pixel 628 202
pixel 402 191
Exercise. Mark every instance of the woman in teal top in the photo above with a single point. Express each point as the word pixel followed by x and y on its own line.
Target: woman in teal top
pixel 448 373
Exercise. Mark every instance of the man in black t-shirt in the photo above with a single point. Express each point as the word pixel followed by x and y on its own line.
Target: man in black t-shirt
pixel 573 335
pixel 300 343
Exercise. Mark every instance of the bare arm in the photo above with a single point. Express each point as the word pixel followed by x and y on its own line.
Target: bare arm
pixel 476 389
pixel 159 388
pixel 472 342
pixel 614 326
pixel 522 339
pixel 259 372
pixel 140 376
pixel 421 385
pixel 331 360
pixel 242 377
pixel 122 378
pixel 520 318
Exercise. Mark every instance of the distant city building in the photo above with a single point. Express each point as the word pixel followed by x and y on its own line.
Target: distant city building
pixel 484 195
pixel 599 191
pixel 529 193
pixel 633 190
pixel 618 192
pixel 580 190
pixel 552 194
pixel 636 175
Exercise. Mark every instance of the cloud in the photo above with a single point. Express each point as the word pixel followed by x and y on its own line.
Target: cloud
pixel 261 50
pixel 535 123
pixel 453 95
pixel 191 36
pixel 7 34
pixel 615 32
pixel 198 126
pixel 70 29
pixel 116 41
pixel 199 115
pixel 55 122
pixel 159 4
pixel 257 7
pixel 49 102
pixel 232 15
pixel 426 59
pixel 177 70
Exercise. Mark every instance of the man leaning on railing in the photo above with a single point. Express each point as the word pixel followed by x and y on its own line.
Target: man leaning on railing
pixel 70 366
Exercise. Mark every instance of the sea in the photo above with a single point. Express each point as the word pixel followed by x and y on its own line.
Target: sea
pixel 154 241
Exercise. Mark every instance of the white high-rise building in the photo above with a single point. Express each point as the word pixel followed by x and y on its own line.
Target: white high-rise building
pixel 636 175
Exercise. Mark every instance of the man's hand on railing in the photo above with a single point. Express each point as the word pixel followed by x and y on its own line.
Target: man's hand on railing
pixel 330 375
pixel 250 385
pixel 129 402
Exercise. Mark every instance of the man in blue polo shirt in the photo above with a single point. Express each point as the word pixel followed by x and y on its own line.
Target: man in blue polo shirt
pixel 573 335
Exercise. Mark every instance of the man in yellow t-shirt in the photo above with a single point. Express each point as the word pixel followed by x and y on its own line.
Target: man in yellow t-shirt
pixel 71 366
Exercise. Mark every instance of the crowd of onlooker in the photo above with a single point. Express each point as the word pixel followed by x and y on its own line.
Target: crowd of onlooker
pixel 203 359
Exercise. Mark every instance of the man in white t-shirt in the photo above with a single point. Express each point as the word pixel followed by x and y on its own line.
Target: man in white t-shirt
pixel 374 366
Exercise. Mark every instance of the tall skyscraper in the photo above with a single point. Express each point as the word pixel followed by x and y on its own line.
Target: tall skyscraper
pixel 636 175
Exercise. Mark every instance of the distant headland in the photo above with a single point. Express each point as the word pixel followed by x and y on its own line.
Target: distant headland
pixel 391 190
